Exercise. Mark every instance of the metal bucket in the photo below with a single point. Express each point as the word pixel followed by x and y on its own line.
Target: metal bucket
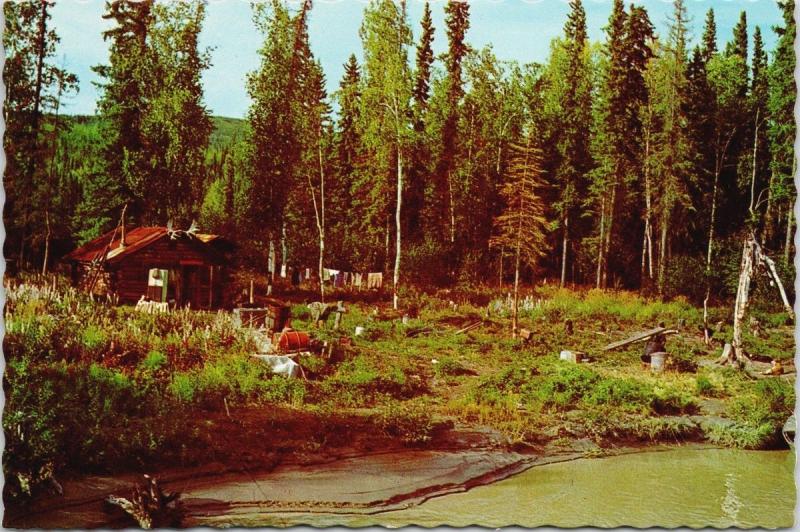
pixel 657 361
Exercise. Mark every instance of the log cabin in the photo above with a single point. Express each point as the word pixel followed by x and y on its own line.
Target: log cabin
pixel 179 267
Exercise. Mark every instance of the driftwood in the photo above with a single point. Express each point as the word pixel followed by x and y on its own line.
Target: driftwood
pixel 469 327
pixel 148 505
pixel 638 337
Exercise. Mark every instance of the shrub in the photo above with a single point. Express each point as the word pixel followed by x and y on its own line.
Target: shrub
pixel 154 361
pixel 411 421
pixel 448 367
pixel 705 387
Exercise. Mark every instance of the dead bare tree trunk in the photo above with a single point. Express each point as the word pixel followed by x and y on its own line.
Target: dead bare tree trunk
pixel 609 229
pixel 601 242
pixel 647 239
pixel 773 272
pixel 319 216
pixel 564 244
pixel 742 297
pixel 452 209
pixel 397 219
pixel 788 243
pixel 515 309
pixel 706 336
pixel 46 241
pixel 502 252
pixel 284 248
pixel 753 175
pixel 662 258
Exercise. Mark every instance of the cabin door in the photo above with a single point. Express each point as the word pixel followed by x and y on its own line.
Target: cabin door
pixel 190 286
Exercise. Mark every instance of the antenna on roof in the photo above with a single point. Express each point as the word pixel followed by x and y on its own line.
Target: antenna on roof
pixel 122 243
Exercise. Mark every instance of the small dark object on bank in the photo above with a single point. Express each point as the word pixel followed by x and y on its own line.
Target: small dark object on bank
pixel 568 326
pixel 149 506
pixel 656 344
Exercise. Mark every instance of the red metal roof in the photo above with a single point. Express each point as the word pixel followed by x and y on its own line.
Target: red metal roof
pixel 135 239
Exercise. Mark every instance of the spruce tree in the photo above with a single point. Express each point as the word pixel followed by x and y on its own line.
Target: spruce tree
pixel 573 139
pixel 34 88
pixel 521 228
pixel 419 160
pixel 123 100
pixel 709 45
pixel 609 139
pixel 671 161
pixel 781 131
pixel 349 137
pixel 457 24
pixel 759 154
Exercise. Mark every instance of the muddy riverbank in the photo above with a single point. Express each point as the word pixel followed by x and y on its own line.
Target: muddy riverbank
pixel 350 480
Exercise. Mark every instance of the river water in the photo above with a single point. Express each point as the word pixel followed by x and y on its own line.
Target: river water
pixel 682 487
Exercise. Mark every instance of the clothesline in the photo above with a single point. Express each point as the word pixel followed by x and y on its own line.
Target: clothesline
pixel 341 279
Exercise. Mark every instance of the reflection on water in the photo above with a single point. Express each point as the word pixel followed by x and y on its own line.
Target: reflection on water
pixel 719 488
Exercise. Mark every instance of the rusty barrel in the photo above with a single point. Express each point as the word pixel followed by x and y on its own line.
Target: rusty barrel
pixel 291 340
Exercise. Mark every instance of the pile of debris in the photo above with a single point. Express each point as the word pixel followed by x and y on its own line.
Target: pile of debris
pixel 279 345
pixel 148 506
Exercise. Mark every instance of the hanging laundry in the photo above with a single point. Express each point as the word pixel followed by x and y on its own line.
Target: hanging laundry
pixel 357 280
pixel 374 280
pixel 338 279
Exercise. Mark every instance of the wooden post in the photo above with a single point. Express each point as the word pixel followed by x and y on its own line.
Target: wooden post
pixel 251 291
pixel 210 287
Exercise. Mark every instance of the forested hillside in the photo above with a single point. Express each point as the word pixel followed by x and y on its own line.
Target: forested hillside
pixel 641 161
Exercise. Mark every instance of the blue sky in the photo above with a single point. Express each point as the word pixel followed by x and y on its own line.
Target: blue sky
pixel 517 29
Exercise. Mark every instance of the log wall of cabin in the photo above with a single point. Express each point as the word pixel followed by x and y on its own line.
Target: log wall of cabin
pixel 199 287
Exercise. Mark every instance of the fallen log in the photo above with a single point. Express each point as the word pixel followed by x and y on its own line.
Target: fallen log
pixel 638 337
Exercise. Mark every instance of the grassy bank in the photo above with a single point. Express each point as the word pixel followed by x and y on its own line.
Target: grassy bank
pixel 96 387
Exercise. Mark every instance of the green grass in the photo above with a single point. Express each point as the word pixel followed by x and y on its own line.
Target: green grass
pixel 95 386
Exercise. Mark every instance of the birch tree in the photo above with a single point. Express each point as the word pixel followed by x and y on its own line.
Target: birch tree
pixel 385 112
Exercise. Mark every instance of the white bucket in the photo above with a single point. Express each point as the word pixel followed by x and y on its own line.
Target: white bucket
pixel 568 356
pixel 657 361
pixel 359 330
